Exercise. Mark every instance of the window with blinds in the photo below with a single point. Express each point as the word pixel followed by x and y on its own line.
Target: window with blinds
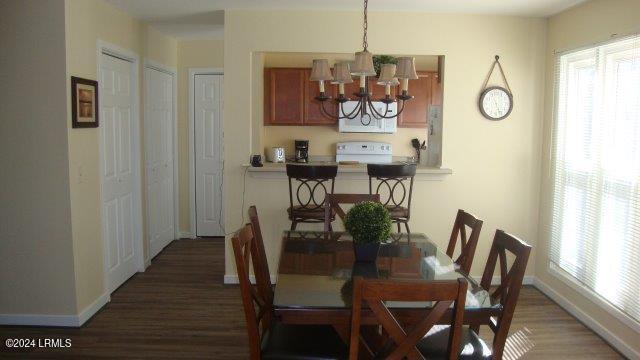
pixel 595 234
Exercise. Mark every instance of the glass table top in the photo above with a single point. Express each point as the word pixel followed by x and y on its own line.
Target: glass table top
pixel 316 269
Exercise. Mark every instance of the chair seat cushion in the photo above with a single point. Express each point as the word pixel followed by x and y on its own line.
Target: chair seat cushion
pixel 398 212
pixel 434 344
pixel 310 212
pixel 303 342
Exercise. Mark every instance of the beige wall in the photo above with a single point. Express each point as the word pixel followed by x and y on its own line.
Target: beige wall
pixel 191 54
pixel 496 166
pixel 322 139
pixel 589 23
pixel 36 250
pixel 87 22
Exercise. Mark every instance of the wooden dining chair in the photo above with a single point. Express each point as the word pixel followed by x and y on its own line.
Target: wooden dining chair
pixel 468 243
pixel 308 187
pixel 391 181
pixel 261 268
pixel 506 295
pixel 269 338
pixel 406 342
pixel 332 205
pixel 510 284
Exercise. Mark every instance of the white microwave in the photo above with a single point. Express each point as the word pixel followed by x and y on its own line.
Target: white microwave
pixel 370 123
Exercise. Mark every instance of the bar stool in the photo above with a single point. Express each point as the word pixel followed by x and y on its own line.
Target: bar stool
pixel 391 180
pixel 314 182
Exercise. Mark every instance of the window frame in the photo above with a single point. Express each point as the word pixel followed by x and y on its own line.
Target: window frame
pixel 553 269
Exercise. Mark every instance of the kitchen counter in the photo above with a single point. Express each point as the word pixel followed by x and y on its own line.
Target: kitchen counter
pixel 356 171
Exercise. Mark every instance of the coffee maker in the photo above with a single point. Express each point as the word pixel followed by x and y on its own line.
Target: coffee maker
pixel 302 151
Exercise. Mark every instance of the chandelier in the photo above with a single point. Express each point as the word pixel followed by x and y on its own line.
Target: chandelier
pixel 390 75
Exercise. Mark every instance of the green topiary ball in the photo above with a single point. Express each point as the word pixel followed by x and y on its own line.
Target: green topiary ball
pixel 368 222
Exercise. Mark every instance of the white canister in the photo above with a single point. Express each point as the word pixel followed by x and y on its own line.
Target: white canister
pixel 276 155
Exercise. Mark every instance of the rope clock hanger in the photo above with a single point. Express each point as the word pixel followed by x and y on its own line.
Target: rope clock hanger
pixel 496 102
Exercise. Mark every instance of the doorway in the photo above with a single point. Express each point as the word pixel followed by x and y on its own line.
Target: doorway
pixel 206 91
pixel 119 164
pixel 160 130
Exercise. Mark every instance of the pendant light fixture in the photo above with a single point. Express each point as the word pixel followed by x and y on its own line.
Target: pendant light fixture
pixel 390 75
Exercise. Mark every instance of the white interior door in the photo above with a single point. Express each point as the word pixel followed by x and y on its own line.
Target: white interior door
pixel 208 154
pixel 158 130
pixel 119 218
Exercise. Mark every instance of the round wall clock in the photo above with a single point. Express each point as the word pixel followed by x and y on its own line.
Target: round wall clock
pixel 495 103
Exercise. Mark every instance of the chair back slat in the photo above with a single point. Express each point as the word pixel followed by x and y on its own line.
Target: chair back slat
pixel 258 306
pixel 261 269
pixel 510 283
pixel 468 243
pixel 333 201
pixel 374 293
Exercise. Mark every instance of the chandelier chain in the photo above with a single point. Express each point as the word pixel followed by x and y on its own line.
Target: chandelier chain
pixel 364 26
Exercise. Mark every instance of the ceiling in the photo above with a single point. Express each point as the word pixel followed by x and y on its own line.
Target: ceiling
pixel 205 18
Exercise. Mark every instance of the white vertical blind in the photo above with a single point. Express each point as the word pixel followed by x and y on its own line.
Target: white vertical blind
pixel 595 229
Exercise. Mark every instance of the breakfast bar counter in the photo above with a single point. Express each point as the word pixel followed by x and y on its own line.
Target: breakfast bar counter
pixel 353 171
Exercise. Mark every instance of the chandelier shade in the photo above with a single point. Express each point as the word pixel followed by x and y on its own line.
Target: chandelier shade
pixel 320 70
pixel 387 75
pixel 363 65
pixel 342 73
pixel 406 68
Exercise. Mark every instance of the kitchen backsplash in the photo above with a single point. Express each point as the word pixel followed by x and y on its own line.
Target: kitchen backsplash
pixel 323 139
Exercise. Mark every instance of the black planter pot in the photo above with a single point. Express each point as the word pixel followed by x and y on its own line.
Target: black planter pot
pixel 366 252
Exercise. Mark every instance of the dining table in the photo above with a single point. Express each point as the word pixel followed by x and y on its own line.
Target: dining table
pixel 316 268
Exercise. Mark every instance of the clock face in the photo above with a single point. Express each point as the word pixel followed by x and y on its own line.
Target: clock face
pixel 496 103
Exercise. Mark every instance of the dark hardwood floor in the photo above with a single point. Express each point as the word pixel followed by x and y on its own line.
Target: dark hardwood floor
pixel 179 309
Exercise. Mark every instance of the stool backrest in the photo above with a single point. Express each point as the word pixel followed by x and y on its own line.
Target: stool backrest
pixel 313 184
pixel 392 179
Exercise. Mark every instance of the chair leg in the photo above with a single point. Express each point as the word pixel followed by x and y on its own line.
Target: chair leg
pixel 406 225
pixel 475 328
pixel 330 226
pixel 293 225
pixel 398 223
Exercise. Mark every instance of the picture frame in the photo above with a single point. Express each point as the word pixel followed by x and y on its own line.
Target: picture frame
pixel 84 103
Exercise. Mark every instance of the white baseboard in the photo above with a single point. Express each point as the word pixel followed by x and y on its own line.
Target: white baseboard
pixel 233 279
pixel 92 309
pixel 587 320
pixel 55 320
pixel 187 235
pixel 39 320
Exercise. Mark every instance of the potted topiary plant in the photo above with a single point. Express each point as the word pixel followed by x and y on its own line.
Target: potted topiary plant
pixel 369 224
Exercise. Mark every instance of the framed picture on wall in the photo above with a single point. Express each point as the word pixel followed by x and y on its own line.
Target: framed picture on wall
pixel 84 103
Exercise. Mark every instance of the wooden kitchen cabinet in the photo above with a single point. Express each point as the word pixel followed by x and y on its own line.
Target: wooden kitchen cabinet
pixel 313 114
pixel 289 98
pixel 284 90
pixel 426 91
